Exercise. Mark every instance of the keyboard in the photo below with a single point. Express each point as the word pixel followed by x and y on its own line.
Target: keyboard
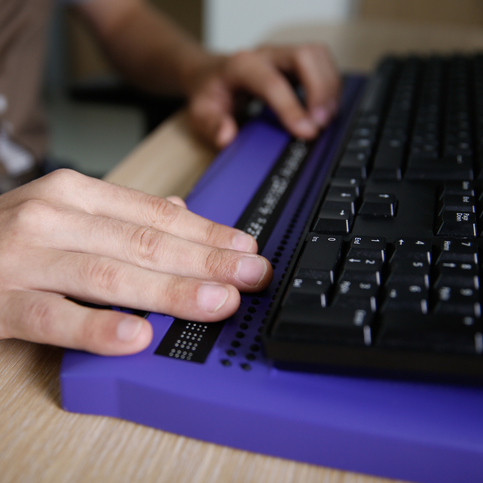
pixel 386 278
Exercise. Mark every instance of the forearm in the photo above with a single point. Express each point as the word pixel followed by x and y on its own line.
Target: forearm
pixel 145 46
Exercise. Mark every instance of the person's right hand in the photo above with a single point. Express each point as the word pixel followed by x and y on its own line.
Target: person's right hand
pixel 68 235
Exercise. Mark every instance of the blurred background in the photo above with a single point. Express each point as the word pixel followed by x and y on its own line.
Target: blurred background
pixel 96 120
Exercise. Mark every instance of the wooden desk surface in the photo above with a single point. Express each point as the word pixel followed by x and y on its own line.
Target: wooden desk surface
pixel 39 442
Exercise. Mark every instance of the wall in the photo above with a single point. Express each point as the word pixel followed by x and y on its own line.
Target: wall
pixel 455 12
pixel 230 25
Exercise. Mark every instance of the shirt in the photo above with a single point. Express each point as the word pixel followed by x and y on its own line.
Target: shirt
pixel 23 127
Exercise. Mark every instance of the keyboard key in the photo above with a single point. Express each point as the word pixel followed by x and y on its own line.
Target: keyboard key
pixel 313 293
pixel 356 295
pixel 367 247
pixel 326 325
pixel 451 202
pixel 378 205
pixel 354 164
pixel 321 253
pixel 342 193
pixel 389 159
pixel 335 221
pixel 305 286
pixel 432 168
pixel 464 187
pixel 458 251
pixel 453 333
pixel 414 249
pixel 339 206
pixel 452 299
pixel 403 296
pixel 460 274
pixel 456 223
pixel 410 272
pixel 354 183
pixel 362 270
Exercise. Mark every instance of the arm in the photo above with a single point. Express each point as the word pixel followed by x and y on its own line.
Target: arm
pixel 144 45
pixel 155 54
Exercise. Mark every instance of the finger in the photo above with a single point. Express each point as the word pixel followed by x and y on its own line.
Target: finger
pixel 149 248
pixel 105 281
pixel 210 114
pixel 177 201
pixel 261 76
pixel 65 188
pixel 318 74
pixel 51 319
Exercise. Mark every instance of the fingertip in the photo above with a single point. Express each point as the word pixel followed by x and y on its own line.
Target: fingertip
pixel 305 128
pixel 217 301
pixel 243 242
pixel 135 333
pixel 177 201
pixel 226 133
pixel 323 114
pixel 320 116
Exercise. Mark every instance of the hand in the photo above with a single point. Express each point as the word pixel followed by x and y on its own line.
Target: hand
pixel 261 72
pixel 67 235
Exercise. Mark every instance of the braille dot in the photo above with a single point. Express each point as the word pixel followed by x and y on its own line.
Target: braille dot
pixel 240 335
pixel 235 344
pixel 245 366
pixel 243 326
pixel 251 357
pixel 226 362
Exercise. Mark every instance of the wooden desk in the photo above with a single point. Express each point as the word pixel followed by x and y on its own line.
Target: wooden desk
pixel 39 442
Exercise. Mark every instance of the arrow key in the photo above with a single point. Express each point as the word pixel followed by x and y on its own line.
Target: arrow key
pixel 378 205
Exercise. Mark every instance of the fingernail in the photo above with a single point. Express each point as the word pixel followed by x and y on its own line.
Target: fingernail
pixel 212 297
pixel 242 242
pixel 128 329
pixel 306 127
pixel 321 115
pixel 251 270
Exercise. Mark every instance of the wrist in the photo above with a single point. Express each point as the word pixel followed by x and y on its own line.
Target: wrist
pixel 199 67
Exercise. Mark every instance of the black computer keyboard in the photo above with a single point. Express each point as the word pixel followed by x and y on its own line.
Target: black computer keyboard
pixel 386 279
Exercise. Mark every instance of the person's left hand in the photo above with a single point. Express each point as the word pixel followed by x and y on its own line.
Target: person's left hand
pixel 263 73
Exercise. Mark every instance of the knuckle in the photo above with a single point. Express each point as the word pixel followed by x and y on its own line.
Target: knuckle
pixel 88 336
pixel 29 214
pixel 216 265
pixel 147 244
pixel 211 233
pixel 173 292
pixel 243 59
pixel 39 314
pixel 103 274
pixel 61 178
pixel 164 212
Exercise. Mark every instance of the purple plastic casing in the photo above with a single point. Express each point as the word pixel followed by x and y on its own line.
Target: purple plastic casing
pixel 405 430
